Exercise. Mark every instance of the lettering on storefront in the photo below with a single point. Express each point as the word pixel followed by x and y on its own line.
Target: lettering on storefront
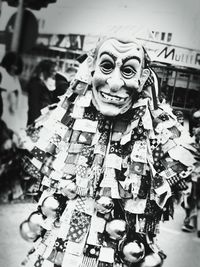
pixel 178 56
pixel 197 59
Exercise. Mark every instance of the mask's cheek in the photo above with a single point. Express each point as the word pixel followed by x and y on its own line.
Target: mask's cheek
pixel 99 80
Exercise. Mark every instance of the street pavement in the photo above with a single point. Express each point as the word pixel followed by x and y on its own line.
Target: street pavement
pixel 182 249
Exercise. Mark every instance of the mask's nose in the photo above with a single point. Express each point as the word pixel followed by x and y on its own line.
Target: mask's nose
pixel 115 82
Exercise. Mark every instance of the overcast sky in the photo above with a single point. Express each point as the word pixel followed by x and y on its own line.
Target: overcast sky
pixel 93 17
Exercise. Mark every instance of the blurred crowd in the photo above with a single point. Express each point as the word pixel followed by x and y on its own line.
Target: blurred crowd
pixel 43 89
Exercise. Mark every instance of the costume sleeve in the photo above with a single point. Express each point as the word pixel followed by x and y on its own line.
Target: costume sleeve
pixel 33 89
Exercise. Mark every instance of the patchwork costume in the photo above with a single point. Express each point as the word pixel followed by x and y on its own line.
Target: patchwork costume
pixel 104 182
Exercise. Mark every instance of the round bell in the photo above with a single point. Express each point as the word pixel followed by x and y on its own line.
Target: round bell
pixel 116 229
pixel 133 251
pixel 26 232
pixel 69 191
pixel 50 207
pixel 152 260
pixel 35 221
pixel 104 204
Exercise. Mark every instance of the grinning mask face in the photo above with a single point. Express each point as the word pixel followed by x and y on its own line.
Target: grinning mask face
pixel 118 75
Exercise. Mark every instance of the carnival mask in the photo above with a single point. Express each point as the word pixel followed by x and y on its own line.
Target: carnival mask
pixel 118 76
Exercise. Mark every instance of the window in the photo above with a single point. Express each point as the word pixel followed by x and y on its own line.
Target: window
pixel 169 37
pixel 162 36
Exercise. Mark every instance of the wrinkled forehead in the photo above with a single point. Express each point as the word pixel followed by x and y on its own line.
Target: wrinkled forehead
pixel 121 48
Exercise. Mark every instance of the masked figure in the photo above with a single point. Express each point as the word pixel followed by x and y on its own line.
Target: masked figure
pixel 107 163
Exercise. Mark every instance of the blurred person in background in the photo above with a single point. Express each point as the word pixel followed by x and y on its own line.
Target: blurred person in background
pixel 63 81
pixel 10 187
pixel 40 88
pixel 11 92
pixel 70 73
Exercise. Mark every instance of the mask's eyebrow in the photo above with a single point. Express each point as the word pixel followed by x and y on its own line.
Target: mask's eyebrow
pixel 131 57
pixel 109 54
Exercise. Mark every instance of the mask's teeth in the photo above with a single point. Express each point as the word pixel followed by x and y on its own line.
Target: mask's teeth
pixel 111 98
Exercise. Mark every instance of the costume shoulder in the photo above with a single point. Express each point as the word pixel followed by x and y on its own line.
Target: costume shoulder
pixel 49 134
pixel 172 149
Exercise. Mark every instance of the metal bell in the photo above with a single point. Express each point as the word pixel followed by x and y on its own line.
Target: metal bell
pixel 70 190
pixel 26 233
pixel 133 251
pixel 152 260
pixel 50 207
pixel 116 229
pixel 104 204
pixel 36 221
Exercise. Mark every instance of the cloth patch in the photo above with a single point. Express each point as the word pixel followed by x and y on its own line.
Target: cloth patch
pixel 153 143
pixel 115 148
pixel 45 170
pixel 139 112
pixel 106 255
pixel 38 153
pixel 86 151
pixel 157 181
pixel 80 204
pixel 92 251
pixel 65 103
pixel 144 187
pixel 67 120
pixel 120 126
pixel 139 152
pixel 78 226
pixel 51 148
pixel 60 244
pixel 69 169
pixel 81 88
pixel 72 158
pixel 157 155
pixel 137 167
pixel 139 133
pixel 74 137
pixel 30 169
pixel 90 113
pixel 78 111
pixel 153 216
pixel 81 171
pixel 88 261
pixel 33 133
pixel 39 261
pixel 58 259
pixel 168 145
pixel 56 139
pixel 54 184
pixel 75 148
pixel 182 185
pixel 85 125
pixel 85 138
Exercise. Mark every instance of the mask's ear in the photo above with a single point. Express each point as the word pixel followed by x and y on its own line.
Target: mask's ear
pixel 144 76
pixel 151 89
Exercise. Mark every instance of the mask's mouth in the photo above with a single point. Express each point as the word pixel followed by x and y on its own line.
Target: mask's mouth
pixel 113 99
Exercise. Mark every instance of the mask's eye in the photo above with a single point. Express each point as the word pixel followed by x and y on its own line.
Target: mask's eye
pixel 128 72
pixel 106 67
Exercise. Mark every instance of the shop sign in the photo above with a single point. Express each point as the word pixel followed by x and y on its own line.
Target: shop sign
pixel 173 55
pixel 71 41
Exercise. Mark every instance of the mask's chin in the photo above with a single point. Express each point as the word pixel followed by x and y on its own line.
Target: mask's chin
pixel 109 109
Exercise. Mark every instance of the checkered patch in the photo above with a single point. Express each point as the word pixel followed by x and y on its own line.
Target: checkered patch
pixel 78 226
